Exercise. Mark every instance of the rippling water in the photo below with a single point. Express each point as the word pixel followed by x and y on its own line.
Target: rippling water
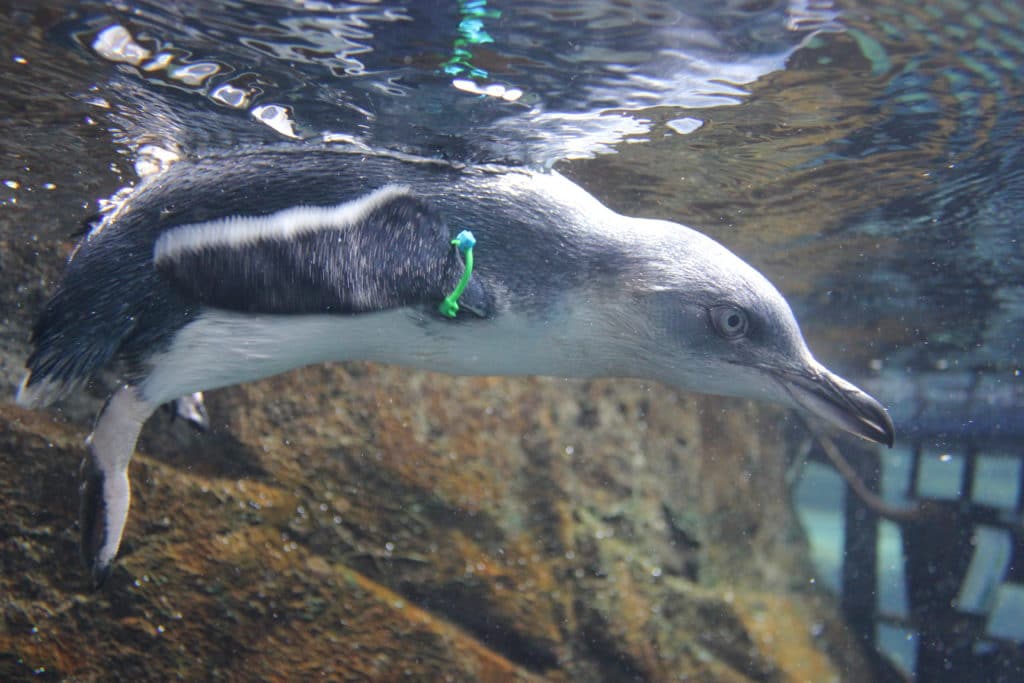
pixel 867 156
pixel 533 82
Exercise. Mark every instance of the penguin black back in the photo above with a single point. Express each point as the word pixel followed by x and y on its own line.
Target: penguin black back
pixel 141 275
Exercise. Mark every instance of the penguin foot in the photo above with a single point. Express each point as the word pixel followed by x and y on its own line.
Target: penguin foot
pixel 191 409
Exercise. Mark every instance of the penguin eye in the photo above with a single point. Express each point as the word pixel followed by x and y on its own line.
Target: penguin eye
pixel 729 321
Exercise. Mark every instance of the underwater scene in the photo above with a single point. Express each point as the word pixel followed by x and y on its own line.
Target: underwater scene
pixel 481 341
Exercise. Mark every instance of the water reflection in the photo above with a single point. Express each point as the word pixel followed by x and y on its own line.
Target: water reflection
pixel 877 179
pixel 561 82
pixel 872 170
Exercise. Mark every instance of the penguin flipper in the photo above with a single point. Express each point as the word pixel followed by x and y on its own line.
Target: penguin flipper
pixel 105 492
pixel 386 250
pixel 99 525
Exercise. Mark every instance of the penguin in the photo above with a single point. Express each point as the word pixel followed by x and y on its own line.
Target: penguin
pixel 235 266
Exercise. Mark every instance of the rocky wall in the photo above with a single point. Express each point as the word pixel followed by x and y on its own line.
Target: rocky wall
pixel 365 523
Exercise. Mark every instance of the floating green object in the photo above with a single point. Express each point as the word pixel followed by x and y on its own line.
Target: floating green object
pixel 471 31
pixel 464 242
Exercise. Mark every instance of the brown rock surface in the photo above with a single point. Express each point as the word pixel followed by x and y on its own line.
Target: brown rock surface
pixel 360 523
pixel 366 523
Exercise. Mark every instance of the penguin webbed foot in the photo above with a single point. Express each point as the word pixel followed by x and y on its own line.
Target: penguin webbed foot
pixel 191 409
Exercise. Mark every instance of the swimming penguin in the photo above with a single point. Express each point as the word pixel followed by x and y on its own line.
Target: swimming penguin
pixel 238 266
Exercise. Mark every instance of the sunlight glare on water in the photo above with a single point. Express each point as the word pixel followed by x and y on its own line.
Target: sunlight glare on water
pixel 554 90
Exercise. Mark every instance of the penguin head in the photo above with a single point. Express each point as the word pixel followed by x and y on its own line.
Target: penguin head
pixel 713 324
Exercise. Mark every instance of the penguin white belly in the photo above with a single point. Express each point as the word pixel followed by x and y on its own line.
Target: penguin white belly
pixel 221 348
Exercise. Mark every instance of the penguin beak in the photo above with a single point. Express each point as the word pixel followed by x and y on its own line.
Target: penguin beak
pixel 830 397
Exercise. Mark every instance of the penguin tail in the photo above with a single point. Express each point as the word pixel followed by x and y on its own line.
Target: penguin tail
pixel 36 392
pixel 55 372
pixel 75 336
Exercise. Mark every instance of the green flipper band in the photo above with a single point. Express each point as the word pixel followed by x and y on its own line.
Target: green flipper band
pixel 464 242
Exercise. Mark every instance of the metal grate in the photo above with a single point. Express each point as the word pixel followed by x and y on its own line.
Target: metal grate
pixel 960 608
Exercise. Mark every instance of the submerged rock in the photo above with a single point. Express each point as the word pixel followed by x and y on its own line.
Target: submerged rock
pixel 359 522
pixel 364 523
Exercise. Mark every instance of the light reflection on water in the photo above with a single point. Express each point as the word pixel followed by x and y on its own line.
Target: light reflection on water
pixel 556 82
pixel 872 167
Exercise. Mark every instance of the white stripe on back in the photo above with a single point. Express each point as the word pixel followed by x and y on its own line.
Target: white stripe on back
pixel 237 231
